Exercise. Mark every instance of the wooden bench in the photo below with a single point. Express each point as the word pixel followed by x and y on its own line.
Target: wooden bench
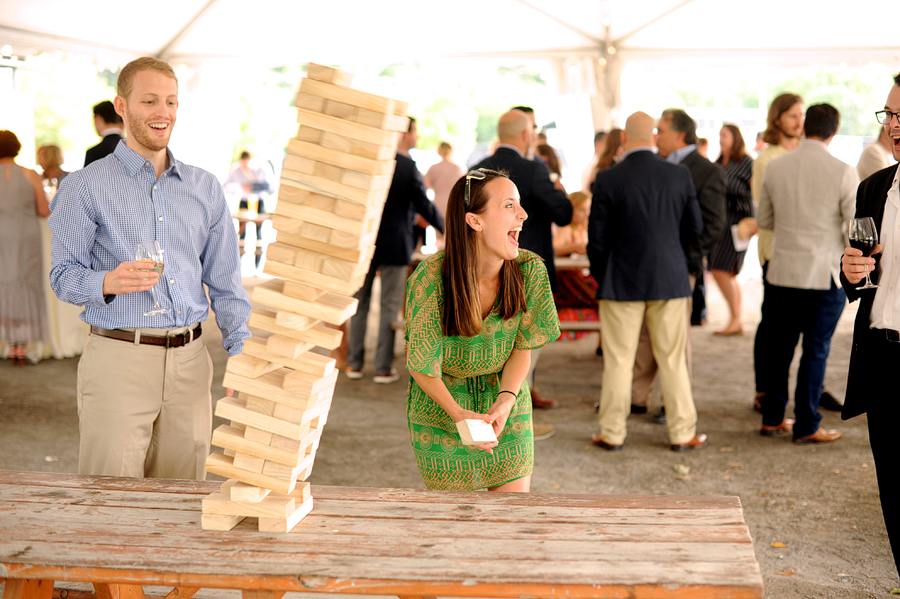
pixel 120 534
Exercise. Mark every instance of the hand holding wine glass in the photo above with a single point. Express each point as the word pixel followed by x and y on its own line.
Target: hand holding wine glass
pixel 150 252
pixel 864 237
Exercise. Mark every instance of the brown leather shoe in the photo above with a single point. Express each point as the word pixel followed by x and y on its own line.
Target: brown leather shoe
pixel 698 442
pixel 540 403
pixel 597 439
pixel 821 435
pixel 786 426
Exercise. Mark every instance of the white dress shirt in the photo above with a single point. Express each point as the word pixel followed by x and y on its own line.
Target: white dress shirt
pixel 886 306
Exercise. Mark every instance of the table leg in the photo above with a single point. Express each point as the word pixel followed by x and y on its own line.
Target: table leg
pixel 118 591
pixel 182 593
pixel 27 588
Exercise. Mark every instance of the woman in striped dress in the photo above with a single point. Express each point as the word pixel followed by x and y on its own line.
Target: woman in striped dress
pixel 725 261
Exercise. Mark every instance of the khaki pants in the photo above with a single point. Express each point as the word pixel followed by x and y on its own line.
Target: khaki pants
pixel 144 410
pixel 667 326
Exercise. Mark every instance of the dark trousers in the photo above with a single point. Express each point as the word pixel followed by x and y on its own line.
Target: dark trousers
pixel 814 314
pixel 698 300
pixel 761 341
pixel 883 414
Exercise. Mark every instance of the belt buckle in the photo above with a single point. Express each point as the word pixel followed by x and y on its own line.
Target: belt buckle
pixel 181 336
pixel 892 335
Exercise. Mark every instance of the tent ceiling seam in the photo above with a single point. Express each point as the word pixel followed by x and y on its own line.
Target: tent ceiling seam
pixel 167 50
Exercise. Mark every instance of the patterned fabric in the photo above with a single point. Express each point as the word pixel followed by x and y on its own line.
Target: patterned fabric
pixel 739 206
pixel 101 212
pixel 470 367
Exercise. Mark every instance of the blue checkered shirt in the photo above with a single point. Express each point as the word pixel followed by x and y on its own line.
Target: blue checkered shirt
pixel 102 211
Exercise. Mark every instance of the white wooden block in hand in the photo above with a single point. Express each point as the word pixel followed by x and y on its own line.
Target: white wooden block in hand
pixel 475 432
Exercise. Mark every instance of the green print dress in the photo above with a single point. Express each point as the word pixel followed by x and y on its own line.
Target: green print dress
pixel 470 368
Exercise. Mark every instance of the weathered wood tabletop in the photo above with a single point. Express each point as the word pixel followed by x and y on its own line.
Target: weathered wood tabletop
pixel 59 527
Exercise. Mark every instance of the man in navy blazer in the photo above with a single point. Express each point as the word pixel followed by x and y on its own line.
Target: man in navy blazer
pixel 108 125
pixel 872 380
pixel 644 209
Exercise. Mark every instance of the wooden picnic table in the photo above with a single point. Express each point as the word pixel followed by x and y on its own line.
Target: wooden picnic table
pixel 121 533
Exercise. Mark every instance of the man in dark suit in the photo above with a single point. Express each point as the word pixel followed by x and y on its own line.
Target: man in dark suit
pixel 393 251
pixel 872 382
pixel 544 203
pixel 108 125
pixel 677 143
pixel 643 210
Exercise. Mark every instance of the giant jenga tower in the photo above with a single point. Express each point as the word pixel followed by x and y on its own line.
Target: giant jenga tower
pixel 333 185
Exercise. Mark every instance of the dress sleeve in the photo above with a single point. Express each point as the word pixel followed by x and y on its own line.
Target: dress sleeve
pixel 424 309
pixel 540 322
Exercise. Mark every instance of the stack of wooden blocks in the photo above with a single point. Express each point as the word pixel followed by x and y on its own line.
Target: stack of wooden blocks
pixel 334 181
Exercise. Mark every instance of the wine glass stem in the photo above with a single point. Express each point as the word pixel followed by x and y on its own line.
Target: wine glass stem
pixel 156 299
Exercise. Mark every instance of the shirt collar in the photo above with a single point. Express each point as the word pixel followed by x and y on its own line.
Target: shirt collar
pixel 134 162
pixel 676 156
pixel 109 131
pixel 807 142
pixel 513 148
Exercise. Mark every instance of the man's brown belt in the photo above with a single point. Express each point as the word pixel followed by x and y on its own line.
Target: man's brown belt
pixel 173 341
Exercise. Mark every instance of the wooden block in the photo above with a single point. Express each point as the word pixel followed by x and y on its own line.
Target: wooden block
pixel 222 465
pixel 261 406
pixel 326 218
pixel 285 525
pixel 290 453
pixel 303 197
pixel 388 122
pixel 248 462
pixel 309 135
pixel 328 283
pixel 303 382
pixel 316 262
pixel 219 522
pixel 364 181
pixel 251 433
pixel 334 188
pixel 308 102
pixel 331 308
pixel 310 363
pixel 292 320
pixel 249 366
pixel 301 291
pixel 234 409
pixel 338 93
pixel 338 110
pixel 297 241
pixel 475 432
pixel 330 124
pixel 353 241
pixel 315 151
pixel 283 472
pixel 274 505
pixel 328 75
pixel 317 334
pixel 239 491
pixel 308 416
pixel 287 347
pixel 364 149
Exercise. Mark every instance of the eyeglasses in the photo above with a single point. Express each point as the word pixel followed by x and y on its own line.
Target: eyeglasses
pixel 884 116
pixel 478 174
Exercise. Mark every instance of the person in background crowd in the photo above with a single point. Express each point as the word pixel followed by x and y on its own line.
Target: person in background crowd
pixel 875 157
pixel 576 298
pixel 108 125
pixel 587 175
pixel 726 260
pixel 550 157
pixel 807 199
pixel 872 380
pixel 23 317
pixel 50 158
pixel 474 314
pixel 441 176
pixel 612 153
pixel 703 147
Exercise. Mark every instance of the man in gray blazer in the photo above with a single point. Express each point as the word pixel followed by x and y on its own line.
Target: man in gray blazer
pixel 808 198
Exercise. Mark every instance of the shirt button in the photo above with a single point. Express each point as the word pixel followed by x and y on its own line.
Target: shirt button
pixel 160 218
pixel 154 187
pixel 179 311
pixel 171 281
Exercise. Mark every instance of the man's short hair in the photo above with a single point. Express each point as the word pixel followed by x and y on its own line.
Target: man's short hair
pixel 106 111
pixel 599 136
pixel 822 121
pixel 245 155
pixel 681 122
pixel 525 109
pixel 144 63
pixel 897 79
pixel 778 107
pixel 9 144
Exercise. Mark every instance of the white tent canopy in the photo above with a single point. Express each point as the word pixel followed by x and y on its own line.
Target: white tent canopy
pixel 276 32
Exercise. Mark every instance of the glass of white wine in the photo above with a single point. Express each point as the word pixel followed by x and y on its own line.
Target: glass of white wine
pixel 151 253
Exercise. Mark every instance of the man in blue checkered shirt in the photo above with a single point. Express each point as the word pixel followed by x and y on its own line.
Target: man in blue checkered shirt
pixel 144 403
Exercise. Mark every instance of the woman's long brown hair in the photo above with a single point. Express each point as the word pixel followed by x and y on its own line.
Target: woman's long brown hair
pixel 462 302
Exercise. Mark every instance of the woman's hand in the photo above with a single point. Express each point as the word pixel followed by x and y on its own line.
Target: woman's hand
pixel 470 415
pixel 500 411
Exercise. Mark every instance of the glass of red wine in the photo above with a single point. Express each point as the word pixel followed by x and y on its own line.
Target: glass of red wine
pixel 864 238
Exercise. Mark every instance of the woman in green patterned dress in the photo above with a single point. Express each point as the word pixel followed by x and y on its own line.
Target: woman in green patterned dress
pixel 474 312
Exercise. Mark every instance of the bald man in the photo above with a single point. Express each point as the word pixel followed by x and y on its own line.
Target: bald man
pixel 640 211
pixel 544 203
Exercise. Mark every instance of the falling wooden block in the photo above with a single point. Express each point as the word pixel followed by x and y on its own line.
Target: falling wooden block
pixel 325 237
pixel 474 432
pixel 350 254
pixel 364 181
pixel 269 387
pixel 325 74
pixel 345 95
pixel 236 410
pixel 359 224
pixel 248 462
pixel 285 525
pixel 356 131
pixel 288 473
pixel 219 522
pixel 334 188
pixel 287 347
pixel 228 437
pixel 310 362
pixel 316 262
pixel 239 491
pixel 331 308
pixel 315 151
pixel 216 463
pixel 346 145
pixel 328 281
pixel 249 366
